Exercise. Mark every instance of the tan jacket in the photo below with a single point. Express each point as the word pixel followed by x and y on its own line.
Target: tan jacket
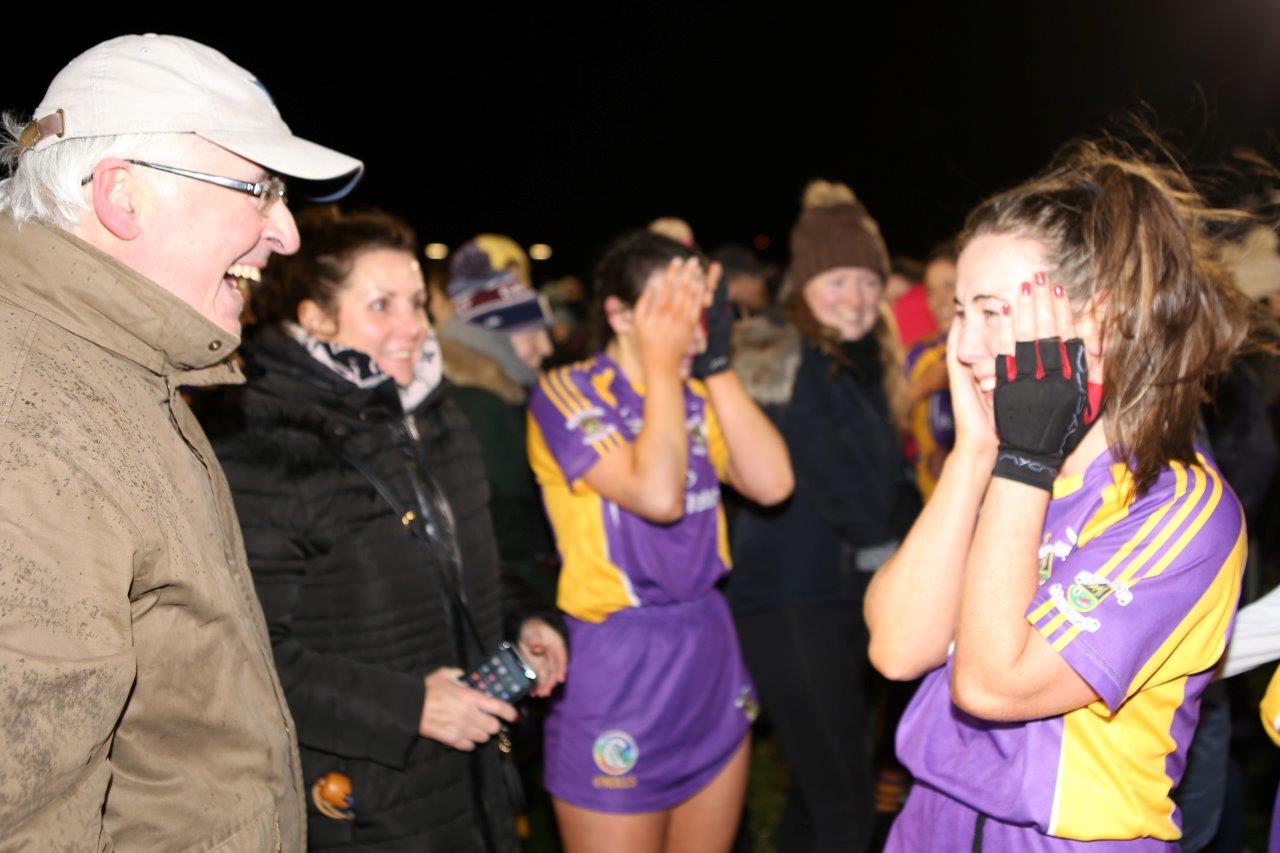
pixel 139 704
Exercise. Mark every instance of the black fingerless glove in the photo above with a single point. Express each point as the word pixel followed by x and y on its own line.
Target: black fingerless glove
pixel 1041 404
pixel 719 328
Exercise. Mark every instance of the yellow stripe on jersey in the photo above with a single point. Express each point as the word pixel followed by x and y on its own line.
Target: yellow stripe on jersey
pixel 1200 639
pixel 602 383
pixel 1091 804
pixel 591 586
pixel 717 448
pixel 1092 800
pixel 1192 529
pixel 1128 575
pixel 1117 497
pixel 931 356
pixel 1121 554
pixel 544 382
pixel 1200 476
pixel 565 396
pixel 1116 500
pixel 1269 708
pixel 564 386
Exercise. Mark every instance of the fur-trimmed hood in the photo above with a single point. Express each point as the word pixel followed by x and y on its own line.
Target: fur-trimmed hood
pixel 766 356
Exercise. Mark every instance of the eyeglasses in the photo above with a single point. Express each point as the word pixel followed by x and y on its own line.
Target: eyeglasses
pixel 267 192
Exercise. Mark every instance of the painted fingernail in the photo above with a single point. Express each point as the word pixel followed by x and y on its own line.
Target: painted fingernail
pixel 1006 309
pixel 1057 290
pixel 1026 289
pixel 1041 278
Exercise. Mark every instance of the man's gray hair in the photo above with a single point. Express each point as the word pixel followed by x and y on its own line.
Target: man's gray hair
pixel 46 184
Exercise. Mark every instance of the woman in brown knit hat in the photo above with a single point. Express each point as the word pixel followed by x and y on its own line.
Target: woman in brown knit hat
pixel 827 380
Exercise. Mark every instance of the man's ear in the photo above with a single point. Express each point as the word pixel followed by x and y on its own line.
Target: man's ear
pixel 316 320
pixel 618 315
pixel 116 199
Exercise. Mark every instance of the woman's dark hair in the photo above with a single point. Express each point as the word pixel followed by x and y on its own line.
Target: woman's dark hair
pixel 331 240
pixel 1127 230
pixel 947 250
pixel 623 271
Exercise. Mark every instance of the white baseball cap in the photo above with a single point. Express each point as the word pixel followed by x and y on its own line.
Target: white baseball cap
pixel 167 84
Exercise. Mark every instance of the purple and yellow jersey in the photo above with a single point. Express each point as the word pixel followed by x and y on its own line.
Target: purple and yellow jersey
pixel 931 421
pixel 1138 595
pixel 611 558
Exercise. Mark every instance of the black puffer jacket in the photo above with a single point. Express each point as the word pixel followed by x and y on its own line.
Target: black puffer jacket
pixel 357 611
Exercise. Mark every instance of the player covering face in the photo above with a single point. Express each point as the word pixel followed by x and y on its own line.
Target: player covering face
pixel 1066 636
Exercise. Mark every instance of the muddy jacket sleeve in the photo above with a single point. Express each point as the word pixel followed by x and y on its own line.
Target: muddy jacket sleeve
pixel 67 551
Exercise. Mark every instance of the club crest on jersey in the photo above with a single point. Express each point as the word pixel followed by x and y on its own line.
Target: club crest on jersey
pixel 589 423
pixel 697 428
pixel 1070 613
pixel 1089 591
pixel 746 703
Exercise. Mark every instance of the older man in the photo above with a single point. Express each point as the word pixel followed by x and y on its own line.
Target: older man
pixel 139 705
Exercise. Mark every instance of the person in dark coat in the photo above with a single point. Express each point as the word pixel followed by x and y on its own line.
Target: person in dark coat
pixel 369 639
pixel 824 372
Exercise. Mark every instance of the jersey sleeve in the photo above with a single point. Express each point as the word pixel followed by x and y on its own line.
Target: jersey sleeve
pixel 1147 594
pixel 578 428
pixel 717 448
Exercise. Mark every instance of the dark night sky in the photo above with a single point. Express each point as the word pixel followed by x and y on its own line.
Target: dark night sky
pixel 568 127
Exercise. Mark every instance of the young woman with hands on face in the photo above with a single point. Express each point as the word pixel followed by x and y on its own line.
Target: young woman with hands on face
pixel 1070 585
pixel 647 746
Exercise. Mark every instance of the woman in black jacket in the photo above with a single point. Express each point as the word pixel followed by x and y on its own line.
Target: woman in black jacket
pixel 800 568
pixel 370 623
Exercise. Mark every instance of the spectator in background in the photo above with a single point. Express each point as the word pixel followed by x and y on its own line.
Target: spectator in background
pixel 496 315
pixel 826 377
pixel 929 415
pixel 745 277
pixel 494 338
pixel 506 255
pixel 568 300
pixel 674 228
pixel 906 296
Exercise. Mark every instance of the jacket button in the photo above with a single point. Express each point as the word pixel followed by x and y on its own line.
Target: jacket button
pixel 214 346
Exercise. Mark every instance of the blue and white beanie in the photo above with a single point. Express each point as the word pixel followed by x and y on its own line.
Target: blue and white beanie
pixel 493 299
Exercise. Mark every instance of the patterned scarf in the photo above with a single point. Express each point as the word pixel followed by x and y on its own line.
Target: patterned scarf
pixel 362 371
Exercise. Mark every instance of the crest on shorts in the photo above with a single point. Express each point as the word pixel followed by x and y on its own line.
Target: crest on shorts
pixel 615 752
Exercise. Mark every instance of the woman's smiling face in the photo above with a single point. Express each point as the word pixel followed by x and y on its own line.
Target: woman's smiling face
pixel 382 311
pixel 988 274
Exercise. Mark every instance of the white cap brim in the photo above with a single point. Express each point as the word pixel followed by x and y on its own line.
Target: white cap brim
pixel 286 154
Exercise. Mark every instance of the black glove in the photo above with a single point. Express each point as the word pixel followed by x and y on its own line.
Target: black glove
pixel 1041 404
pixel 718 320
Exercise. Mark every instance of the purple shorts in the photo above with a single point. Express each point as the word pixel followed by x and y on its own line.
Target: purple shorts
pixel 931 820
pixel 655 702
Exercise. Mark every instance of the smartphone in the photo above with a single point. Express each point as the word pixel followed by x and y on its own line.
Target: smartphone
pixel 503 675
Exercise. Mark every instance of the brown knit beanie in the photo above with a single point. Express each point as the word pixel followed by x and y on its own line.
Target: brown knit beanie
pixel 834 230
